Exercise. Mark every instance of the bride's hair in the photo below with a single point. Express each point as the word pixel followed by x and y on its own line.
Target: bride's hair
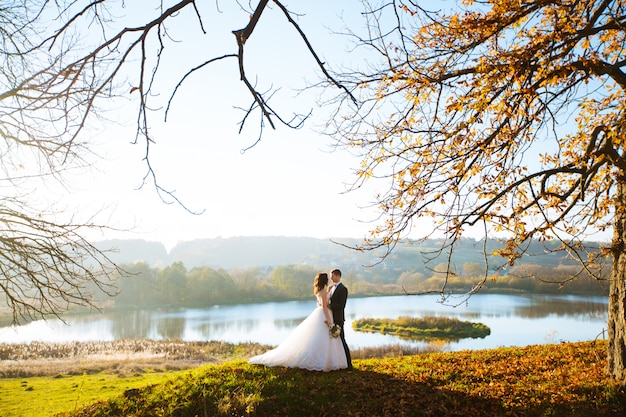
pixel 321 280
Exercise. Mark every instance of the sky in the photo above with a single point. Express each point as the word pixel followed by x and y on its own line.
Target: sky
pixel 292 183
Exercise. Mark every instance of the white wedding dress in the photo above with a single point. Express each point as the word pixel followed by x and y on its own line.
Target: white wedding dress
pixel 310 346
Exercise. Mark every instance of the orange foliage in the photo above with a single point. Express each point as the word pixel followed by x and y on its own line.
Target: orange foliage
pixel 507 112
pixel 508 115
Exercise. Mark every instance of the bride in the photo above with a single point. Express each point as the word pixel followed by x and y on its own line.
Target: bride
pixel 311 346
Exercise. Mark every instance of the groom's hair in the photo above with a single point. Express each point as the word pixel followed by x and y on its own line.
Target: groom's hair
pixel 336 272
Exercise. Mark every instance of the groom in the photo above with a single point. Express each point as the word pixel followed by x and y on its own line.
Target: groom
pixel 337 304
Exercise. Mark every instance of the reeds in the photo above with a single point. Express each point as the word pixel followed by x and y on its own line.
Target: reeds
pixel 121 356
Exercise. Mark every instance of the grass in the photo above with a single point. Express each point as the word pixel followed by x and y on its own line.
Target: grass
pixel 565 379
pixel 545 380
pixel 42 379
pixel 120 356
pixel 48 395
pixel 424 328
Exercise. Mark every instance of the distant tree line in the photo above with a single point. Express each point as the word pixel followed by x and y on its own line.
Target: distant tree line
pixel 525 278
pixel 143 285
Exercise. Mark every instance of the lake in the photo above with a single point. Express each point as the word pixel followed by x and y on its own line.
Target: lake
pixel 515 320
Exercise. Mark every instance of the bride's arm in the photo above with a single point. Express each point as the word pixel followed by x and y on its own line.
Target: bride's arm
pixel 329 317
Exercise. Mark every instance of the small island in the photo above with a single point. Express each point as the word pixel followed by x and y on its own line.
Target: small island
pixel 424 328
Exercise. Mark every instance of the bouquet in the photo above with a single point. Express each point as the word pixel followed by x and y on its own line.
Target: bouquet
pixel 335 330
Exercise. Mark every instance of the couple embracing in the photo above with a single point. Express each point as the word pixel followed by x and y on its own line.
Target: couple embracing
pixel 318 343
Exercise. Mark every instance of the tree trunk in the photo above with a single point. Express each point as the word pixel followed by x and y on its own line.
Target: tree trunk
pixel 617 296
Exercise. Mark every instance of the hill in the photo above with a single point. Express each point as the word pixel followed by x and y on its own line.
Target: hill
pixel 270 251
pixel 544 380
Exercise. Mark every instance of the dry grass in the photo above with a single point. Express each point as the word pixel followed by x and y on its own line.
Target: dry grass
pixel 123 356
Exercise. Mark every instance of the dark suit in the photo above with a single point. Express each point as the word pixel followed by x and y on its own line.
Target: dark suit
pixel 337 306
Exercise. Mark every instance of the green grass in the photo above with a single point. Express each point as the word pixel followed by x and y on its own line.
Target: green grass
pixel 423 328
pixel 46 396
pixel 565 379
pixel 41 379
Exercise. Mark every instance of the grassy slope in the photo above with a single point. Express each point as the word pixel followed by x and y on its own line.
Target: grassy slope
pixel 561 380
pixel 41 379
pixel 46 396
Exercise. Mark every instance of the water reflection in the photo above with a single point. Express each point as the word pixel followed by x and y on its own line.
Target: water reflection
pixel 171 328
pixel 130 325
pixel 513 320
pixel 562 307
pixel 288 323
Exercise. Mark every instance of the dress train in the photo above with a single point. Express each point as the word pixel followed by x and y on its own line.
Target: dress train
pixel 310 346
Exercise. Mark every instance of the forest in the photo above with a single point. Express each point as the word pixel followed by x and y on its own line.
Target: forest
pixel 408 270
